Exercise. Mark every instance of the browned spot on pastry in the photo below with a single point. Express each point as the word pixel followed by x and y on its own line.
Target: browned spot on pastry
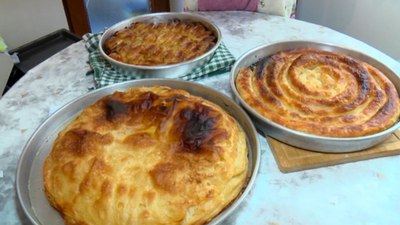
pixel 115 108
pixel 122 189
pixel 198 126
pixel 150 196
pixel 163 175
pixel 69 169
pixel 106 189
pixel 81 142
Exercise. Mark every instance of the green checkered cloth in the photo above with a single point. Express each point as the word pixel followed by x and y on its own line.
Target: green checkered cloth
pixel 104 74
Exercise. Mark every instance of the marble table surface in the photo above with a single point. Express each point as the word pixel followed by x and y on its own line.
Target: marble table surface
pixel 360 193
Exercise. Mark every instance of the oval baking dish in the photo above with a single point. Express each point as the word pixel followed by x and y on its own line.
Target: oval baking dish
pixel 301 139
pixel 29 176
pixel 161 71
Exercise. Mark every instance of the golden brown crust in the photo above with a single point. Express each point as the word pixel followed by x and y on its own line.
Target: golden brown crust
pixel 151 44
pixel 150 155
pixel 321 93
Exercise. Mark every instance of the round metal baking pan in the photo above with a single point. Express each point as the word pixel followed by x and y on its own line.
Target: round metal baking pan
pixel 29 177
pixel 162 71
pixel 300 139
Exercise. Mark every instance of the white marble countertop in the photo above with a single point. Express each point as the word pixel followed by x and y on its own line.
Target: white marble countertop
pixel 361 193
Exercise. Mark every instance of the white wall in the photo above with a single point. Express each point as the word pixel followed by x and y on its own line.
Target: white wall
pixel 375 22
pixel 22 21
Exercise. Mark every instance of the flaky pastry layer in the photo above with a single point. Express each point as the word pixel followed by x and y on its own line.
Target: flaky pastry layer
pixel 321 93
pixel 149 155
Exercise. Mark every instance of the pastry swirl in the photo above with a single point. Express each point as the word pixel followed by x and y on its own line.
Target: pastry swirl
pixel 149 155
pixel 319 92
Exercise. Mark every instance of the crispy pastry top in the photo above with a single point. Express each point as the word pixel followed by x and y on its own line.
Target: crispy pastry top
pixel 321 93
pixel 151 44
pixel 149 155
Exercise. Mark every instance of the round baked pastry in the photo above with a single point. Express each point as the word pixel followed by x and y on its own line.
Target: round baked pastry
pixel 149 155
pixel 320 92
pixel 152 44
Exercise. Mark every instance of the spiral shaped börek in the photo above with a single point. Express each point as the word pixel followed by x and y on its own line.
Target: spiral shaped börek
pixel 320 92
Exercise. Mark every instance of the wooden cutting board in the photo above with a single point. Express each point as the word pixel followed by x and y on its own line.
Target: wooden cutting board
pixel 290 159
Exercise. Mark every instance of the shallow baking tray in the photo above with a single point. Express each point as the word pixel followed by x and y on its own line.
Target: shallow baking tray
pixel 29 178
pixel 35 52
pixel 300 139
pixel 162 71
